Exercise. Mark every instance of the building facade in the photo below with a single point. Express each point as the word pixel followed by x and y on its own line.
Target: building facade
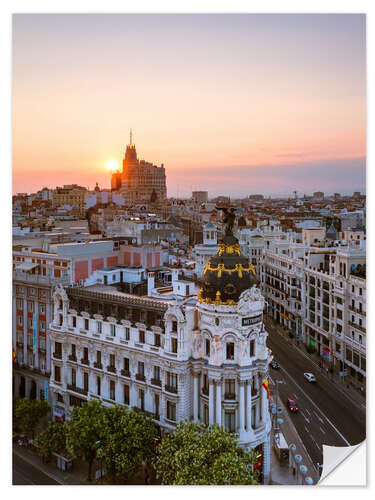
pixel 141 181
pixel 174 359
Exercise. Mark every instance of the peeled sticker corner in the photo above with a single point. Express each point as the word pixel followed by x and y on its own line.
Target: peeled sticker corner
pixel 344 465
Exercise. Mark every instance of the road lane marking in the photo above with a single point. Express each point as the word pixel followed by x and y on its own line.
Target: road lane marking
pixel 295 395
pixel 307 411
pixel 312 402
pixel 316 444
pixel 321 430
pixel 304 416
pixel 317 416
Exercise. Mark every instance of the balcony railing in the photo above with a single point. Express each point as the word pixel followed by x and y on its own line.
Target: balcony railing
pixel 171 388
pixel 79 390
pixel 98 365
pixel 19 344
pixel 72 357
pixel 229 395
pixel 42 350
pixel 85 361
pixel 359 311
pixel 156 381
pixel 205 391
pixel 361 328
pixel 111 368
pixel 57 355
pixel 140 377
pixel 125 373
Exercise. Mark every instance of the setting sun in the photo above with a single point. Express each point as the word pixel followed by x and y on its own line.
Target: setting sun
pixel 112 165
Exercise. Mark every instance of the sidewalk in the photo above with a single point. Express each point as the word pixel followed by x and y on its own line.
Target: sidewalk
pixel 77 476
pixel 352 393
pixel 283 475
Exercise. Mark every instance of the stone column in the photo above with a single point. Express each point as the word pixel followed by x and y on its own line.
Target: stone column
pixel 118 392
pixel 211 402
pixel 218 402
pixel 249 406
pixel 27 387
pixel 242 406
pixel 92 382
pixel 265 404
pixel 196 396
pixel 266 459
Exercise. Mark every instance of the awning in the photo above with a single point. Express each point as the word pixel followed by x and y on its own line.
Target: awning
pixel 26 266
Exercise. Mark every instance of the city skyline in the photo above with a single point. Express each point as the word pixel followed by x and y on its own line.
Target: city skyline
pixel 255 103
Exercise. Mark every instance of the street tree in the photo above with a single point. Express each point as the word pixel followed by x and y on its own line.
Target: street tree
pixel 195 454
pixel 53 438
pixel 27 414
pixel 127 441
pixel 84 432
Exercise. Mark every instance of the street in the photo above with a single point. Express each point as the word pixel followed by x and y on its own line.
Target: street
pixel 26 474
pixel 326 415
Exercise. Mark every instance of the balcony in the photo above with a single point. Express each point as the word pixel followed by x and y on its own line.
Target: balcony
pixel 72 357
pixel 358 311
pixel 170 388
pixel 19 344
pixel 205 391
pixel 85 361
pixel 42 350
pixel 156 381
pixel 30 347
pixel 74 388
pixel 57 355
pixel 140 377
pixel 125 373
pixel 360 328
pixel 111 368
pixel 230 396
pixel 97 364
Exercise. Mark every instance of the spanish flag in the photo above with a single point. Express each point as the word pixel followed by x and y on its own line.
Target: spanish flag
pixel 14 356
pixel 265 385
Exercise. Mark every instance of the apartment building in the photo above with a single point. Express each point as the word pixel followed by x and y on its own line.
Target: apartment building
pixel 34 277
pixel 318 293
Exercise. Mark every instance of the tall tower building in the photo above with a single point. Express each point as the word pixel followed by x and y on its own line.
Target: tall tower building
pixel 139 181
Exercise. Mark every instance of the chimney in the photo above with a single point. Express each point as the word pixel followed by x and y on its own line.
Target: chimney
pixel 150 283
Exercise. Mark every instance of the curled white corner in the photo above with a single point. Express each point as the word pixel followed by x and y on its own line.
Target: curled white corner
pixel 344 465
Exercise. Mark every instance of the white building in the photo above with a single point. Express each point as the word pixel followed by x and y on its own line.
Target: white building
pixel 202 360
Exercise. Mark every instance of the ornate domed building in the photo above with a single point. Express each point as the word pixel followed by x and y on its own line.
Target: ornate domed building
pixel 229 352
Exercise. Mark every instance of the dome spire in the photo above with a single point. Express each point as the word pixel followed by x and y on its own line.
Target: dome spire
pixel 131 138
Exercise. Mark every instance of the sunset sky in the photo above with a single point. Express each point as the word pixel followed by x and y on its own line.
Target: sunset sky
pixel 232 104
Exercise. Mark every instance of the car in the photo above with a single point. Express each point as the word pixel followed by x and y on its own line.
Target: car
pixel 310 377
pixel 292 405
pixel 274 365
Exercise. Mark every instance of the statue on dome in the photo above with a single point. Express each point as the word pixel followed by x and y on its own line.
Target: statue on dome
pixel 229 218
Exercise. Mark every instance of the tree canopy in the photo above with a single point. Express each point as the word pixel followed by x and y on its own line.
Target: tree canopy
pixel 27 414
pixel 53 438
pixel 198 455
pixel 84 431
pixel 127 441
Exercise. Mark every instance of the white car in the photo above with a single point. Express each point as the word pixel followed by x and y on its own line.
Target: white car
pixel 310 377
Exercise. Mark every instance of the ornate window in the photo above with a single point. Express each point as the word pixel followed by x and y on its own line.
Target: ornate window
pixel 230 351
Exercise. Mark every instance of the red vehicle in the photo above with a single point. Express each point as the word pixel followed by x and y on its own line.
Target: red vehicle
pixel 292 405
